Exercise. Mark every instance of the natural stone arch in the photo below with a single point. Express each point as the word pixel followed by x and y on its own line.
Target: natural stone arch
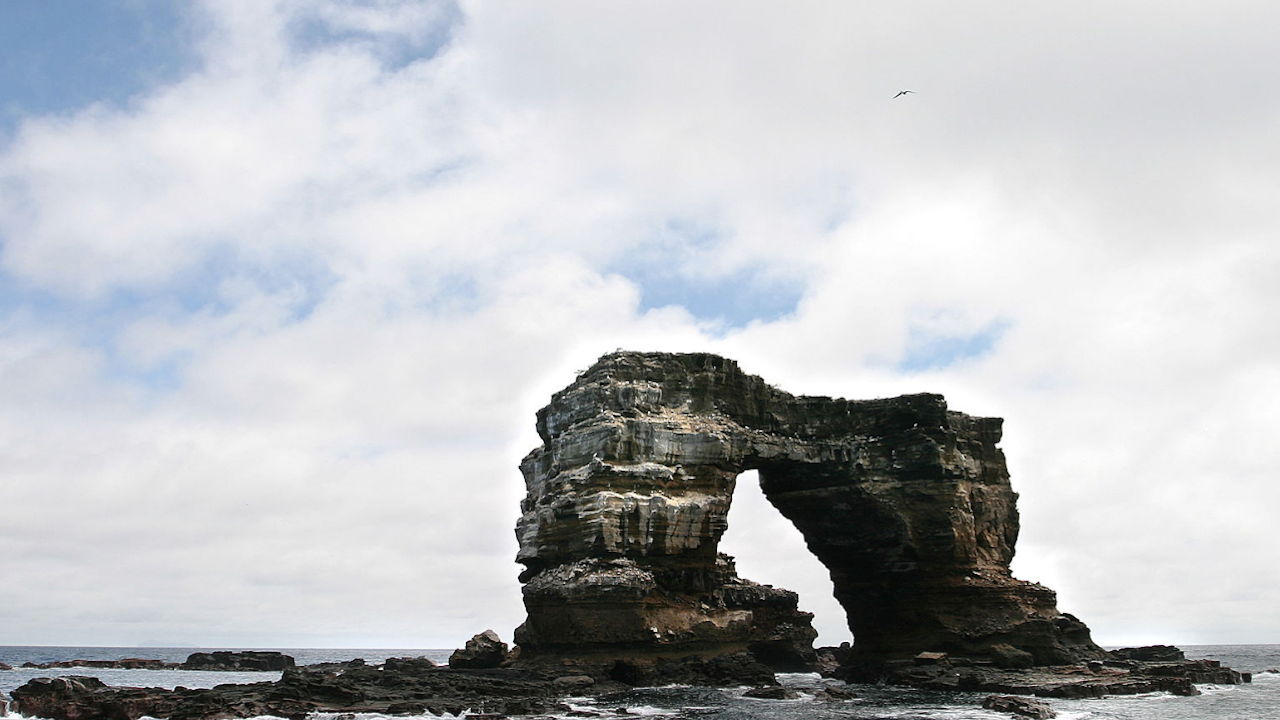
pixel 907 503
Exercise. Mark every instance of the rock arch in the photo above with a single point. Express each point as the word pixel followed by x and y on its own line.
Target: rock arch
pixel 907 503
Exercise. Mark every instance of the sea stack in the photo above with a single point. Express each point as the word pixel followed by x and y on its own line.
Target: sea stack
pixel 906 502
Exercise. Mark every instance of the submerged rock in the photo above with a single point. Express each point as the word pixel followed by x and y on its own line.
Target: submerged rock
pixel 1150 653
pixel 907 502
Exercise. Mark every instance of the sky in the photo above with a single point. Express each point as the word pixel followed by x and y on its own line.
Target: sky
pixel 283 284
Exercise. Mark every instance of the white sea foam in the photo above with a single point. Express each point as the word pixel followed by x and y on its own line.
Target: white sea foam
pixel 649 710
pixel 1211 689
pixel 375 716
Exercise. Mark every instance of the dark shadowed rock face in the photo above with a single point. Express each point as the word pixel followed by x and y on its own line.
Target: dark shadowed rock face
pixel 906 502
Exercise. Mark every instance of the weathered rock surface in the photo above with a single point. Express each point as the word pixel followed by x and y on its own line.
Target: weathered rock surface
pixel 485 650
pixel 1093 680
pixel 1019 706
pixel 1150 653
pixel 905 501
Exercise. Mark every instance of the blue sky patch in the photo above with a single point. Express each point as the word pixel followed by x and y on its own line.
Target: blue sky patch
pixel 393 50
pixel 304 281
pixel 61 55
pixel 732 301
pixel 95 324
pixel 667 269
pixel 930 350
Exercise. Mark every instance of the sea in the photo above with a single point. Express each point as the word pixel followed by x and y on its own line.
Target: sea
pixel 1258 700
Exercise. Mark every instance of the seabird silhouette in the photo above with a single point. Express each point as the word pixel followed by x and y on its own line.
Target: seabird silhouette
pixel 901 93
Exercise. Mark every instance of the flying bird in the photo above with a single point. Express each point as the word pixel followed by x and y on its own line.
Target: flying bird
pixel 901 93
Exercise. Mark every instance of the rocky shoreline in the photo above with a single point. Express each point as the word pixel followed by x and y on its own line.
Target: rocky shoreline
pixel 399 686
pixel 413 686
pixel 1091 680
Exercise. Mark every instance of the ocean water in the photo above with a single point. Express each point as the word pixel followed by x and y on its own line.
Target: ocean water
pixel 1259 700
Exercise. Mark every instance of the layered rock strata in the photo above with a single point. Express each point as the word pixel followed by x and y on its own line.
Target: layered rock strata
pixel 907 503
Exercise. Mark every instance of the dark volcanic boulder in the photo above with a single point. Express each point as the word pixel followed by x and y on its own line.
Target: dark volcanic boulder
pixel 409 666
pixel 74 697
pixel 247 660
pixel 485 650
pixel 320 687
pixel 1020 706
pixel 907 503
pixel 1150 653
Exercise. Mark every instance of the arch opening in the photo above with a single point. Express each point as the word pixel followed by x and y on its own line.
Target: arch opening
pixel 769 549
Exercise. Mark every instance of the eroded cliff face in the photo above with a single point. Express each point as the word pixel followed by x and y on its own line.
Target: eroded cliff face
pixel 906 502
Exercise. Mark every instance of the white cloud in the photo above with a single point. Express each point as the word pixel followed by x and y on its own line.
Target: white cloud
pixel 277 331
